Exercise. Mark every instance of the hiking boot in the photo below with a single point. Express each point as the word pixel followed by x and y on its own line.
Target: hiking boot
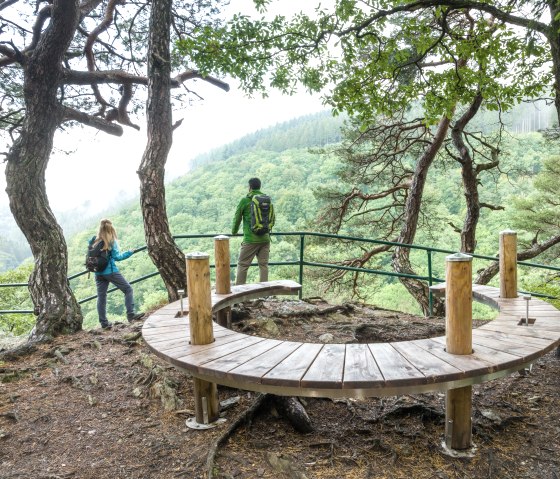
pixel 107 325
pixel 134 317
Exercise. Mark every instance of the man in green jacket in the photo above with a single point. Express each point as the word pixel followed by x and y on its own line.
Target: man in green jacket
pixel 253 244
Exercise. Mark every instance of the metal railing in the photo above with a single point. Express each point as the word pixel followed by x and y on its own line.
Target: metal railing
pixel 301 263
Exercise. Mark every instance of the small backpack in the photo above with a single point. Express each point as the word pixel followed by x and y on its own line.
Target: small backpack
pixel 97 259
pixel 262 214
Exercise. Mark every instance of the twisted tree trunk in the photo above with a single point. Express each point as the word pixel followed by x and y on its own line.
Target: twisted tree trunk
pixel 401 256
pixel 55 305
pixel 162 249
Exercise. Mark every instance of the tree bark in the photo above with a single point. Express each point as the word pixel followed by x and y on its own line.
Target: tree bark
pixel 55 305
pixel 554 41
pixel 162 249
pixel 401 257
pixel 470 178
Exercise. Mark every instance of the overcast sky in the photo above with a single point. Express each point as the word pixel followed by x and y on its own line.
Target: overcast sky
pixel 219 119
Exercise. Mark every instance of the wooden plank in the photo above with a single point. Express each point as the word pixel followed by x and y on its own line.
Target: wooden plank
pixel 360 368
pixel 217 350
pixel 260 365
pixel 396 370
pixel 520 335
pixel 496 360
pixel 434 368
pixel 522 350
pixel 466 363
pixel 541 328
pixel 238 358
pixel 327 369
pixel 169 345
pixel 290 370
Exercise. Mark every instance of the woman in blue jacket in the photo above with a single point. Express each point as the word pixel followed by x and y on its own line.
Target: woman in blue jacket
pixel 108 235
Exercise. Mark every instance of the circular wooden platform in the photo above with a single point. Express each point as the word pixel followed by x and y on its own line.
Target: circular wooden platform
pixel 234 359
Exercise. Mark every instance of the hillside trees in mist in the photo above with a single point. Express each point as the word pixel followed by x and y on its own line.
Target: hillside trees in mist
pixel 452 61
pixel 69 62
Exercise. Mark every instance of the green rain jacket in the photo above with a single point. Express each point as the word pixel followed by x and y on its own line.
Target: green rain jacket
pixel 243 212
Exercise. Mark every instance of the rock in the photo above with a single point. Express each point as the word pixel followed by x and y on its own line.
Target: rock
pixel 284 466
pixel 228 403
pixel 326 338
pixel 270 327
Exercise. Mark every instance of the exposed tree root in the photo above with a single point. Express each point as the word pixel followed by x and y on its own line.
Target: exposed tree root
pixel 286 406
pixel 245 417
pixel 20 351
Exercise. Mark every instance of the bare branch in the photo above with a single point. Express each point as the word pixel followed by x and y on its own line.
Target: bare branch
pixel 69 114
pixel 6 3
pixel 491 207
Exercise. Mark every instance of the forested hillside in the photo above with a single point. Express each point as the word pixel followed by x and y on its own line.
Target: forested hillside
pixel 204 200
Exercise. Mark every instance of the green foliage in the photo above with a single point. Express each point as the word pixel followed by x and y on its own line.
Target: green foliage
pixel 16 298
pixel 204 201
pixel 379 58
pixel 539 211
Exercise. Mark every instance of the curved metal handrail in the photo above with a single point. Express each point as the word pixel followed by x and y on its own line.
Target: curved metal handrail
pixel 301 262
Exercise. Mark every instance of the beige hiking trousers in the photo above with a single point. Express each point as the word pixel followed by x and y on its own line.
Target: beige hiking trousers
pixel 246 254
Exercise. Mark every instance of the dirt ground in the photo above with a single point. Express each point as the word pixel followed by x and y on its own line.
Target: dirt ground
pixel 99 405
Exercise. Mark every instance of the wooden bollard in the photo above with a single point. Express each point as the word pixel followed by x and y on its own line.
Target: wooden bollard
pixel 201 331
pixel 458 332
pixel 508 264
pixel 223 279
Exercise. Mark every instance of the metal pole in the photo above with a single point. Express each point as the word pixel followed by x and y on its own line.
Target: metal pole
pixel 301 248
pixel 430 282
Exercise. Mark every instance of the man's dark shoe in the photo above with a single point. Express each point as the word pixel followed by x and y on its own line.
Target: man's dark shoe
pixel 134 317
pixel 107 325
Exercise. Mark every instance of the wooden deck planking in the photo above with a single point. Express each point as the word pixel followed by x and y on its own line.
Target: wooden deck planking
pixel 328 368
pixel 493 358
pixel 500 345
pixel 360 368
pixel 431 366
pixel 466 363
pixel 254 369
pixel 394 367
pixel 517 335
pixel 204 353
pixel 225 364
pixel 525 351
pixel 291 369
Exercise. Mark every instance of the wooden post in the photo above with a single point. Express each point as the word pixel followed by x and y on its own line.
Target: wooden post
pixel 201 331
pixel 458 304
pixel 223 279
pixel 458 327
pixel 508 264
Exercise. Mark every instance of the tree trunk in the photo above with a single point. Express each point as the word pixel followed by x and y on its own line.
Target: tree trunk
pixel 55 305
pixel 401 257
pixel 470 178
pixel 165 254
pixel 554 41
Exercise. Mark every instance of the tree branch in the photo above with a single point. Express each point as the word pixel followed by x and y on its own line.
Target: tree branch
pixel 491 207
pixel 74 77
pixel 6 3
pixel 69 114
pixel 484 276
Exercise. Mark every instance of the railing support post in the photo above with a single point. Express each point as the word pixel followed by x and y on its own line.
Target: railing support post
pixel 430 282
pixel 223 278
pixel 301 248
pixel 201 331
pixel 508 264
pixel 458 327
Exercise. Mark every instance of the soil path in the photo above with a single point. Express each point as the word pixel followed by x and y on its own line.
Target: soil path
pixel 98 405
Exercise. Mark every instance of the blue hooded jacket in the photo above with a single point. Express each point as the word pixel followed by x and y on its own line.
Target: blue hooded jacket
pixel 114 255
